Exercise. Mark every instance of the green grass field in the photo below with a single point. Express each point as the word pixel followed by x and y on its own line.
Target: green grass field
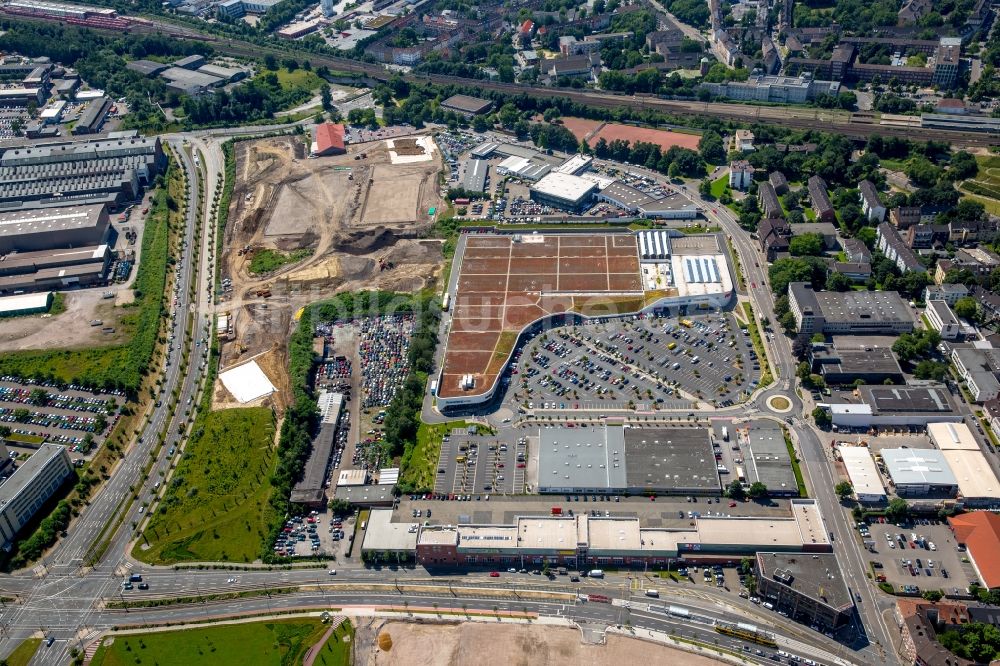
pixel 23 653
pixel 299 79
pixel 719 186
pixel 985 187
pixel 279 643
pixel 215 508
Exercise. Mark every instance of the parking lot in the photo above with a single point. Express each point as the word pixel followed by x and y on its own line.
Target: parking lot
pixel 72 416
pixel 921 553
pixel 319 533
pixel 640 362
pixel 481 464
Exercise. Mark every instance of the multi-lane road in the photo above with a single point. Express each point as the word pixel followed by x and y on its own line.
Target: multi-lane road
pixel 66 595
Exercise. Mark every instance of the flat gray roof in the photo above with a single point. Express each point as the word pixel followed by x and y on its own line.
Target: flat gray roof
pixel 903 399
pixel 671 459
pixel 816 576
pixel 46 220
pixel 625 195
pixel 671 202
pixel 851 306
pixel 190 77
pixel 475 176
pixel 582 458
pixel 383 535
pixel 909 467
pixel 467 103
pixel 769 461
pixel 27 471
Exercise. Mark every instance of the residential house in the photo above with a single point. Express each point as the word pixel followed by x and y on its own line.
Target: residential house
pixel 773 235
pixel 905 217
pixel 740 175
pixel 856 251
pixel 978 367
pixel 943 320
pixel 743 141
pixel 770 207
pixel 820 200
pixel 949 293
pixel 778 182
pixel 871 203
pixel 895 249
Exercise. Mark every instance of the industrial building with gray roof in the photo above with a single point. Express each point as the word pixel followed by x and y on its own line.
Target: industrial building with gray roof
pixel 769 461
pixel 78 171
pixel 475 176
pixel 850 312
pixel 47 228
pixel 614 459
pixel 920 472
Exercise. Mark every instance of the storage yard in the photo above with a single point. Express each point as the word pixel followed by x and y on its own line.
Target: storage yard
pixel 318 208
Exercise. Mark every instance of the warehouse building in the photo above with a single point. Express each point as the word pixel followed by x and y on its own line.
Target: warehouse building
pixel 615 460
pixel 387 541
pixel 190 82
pixel 809 587
pixel 850 312
pixel 977 483
pixel 92 118
pixel 863 474
pixel 227 74
pixel 899 406
pixel 146 67
pixel 330 140
pixel 635 202
pixel 310 491
pixel 563 191
pixel 920 473
pixel 467 105
pixel 768 461
pixel 476 172
pixel 584 540
pixel 25 304
pixel 80 171
pixel 28 488
pixel 54 269
pixel 49 228
pixel 849 358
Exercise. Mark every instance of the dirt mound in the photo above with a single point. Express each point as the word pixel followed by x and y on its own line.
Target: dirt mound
pixel 363 242
pixel 307 239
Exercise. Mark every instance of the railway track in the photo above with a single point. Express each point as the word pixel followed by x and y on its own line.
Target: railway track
pixel 855 126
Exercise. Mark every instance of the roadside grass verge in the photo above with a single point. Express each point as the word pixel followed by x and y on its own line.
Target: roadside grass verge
pixel 758 344
pixel 215 507
pixel 23 653
pixel 796 468
pixel 273 643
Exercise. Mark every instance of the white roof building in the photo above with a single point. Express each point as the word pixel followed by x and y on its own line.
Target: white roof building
pixel 863 474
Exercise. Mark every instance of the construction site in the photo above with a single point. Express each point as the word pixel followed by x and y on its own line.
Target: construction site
pixel 345 222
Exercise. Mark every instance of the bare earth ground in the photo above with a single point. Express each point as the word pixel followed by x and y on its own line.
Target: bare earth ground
pixel 349 219
pixel 462 643
pixel 69 329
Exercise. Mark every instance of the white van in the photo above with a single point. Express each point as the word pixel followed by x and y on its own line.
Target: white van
pixel 596 573
pixel 652 593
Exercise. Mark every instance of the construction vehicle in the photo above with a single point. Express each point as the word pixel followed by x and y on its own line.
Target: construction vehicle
pixel 264 293
pixel 384 264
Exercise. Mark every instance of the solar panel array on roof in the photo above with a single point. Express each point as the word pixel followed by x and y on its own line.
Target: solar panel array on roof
pixel 698 270
pixel 654 245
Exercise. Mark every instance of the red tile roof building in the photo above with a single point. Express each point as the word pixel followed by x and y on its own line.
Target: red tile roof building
pixel 980 532
pixel 329 140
